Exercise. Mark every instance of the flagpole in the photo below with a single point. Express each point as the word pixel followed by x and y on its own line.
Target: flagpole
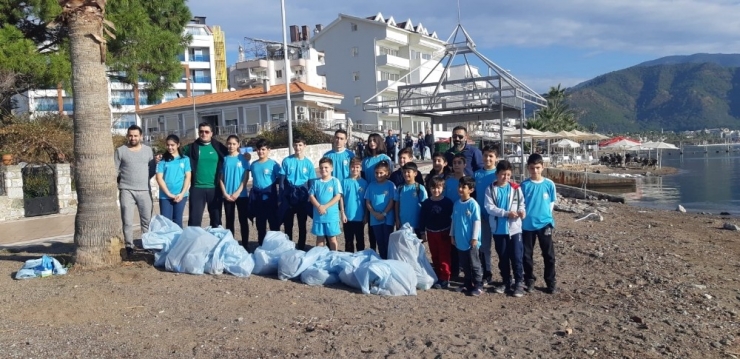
pixel 288 106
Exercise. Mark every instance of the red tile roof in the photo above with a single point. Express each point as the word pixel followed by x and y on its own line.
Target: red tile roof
pixel 246 94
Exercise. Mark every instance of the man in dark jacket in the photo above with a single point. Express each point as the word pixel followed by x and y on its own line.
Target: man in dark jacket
pixel 460 145
pixel 206 162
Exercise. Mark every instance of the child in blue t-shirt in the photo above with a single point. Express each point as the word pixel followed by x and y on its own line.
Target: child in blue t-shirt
pixel 339 155
pixel 297 170
pixel 465 233
pixel 408 198
pixel 379 202
pixel 484 177
pixel 266 174
pixel 324 196
pixel 173 177
pixel 352 208
pixel 452 181
pixel 233 182
pixel 504 203
pixel 539 194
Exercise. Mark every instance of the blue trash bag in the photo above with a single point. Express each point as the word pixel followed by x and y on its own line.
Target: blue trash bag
pixel 325 270
pixel 267 256
pixel 236 260
pixel 190 253
pixel 406 247
pixel 161 233
pixel 41 267
pixel 291 266
pixel 386 277
pixel 215 264
pixel 350 265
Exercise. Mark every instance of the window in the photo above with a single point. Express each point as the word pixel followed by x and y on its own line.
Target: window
pixel 355 51
pixel 414 55
pixel 358 101
pixel 277 116
pixel 231 122
pixel 353 26
pixel 426 56
pixel 316 114
pixel 389 76
pixel 388 51
pixel 356 76
pixel 279 74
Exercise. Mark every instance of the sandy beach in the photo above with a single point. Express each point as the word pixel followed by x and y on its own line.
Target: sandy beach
pixel 640 284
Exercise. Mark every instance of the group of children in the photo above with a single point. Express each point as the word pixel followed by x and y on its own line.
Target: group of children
pixel 461 217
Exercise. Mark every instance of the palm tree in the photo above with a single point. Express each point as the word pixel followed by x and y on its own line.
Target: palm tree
pixel 97 225
pixel 557 116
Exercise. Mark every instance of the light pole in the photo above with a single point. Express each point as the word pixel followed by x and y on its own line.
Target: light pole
pixel 287 81
pixel 192 95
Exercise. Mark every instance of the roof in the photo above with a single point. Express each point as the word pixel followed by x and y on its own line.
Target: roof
pixel 246 94
pixel 380 20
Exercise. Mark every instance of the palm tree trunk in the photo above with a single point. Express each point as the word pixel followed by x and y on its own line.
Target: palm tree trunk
pixel 97 224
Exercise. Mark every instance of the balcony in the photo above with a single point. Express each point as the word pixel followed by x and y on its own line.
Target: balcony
pixel 252 64
pixel 396 37
pixel 382 84
pixel 393 62
pixel 202 79
pixel 47 107
pixel 125 101
pixel 298 63
pixel 200 58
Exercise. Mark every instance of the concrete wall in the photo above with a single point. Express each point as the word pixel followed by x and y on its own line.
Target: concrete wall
pixel 67 197
pixel 313 152
pixel 593 180
pixel 11 205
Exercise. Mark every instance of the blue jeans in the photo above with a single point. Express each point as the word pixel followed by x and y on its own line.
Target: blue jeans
pixel 510 250
pixel 172 210
pixel 470 262
pixel 382 237
pixel 485 248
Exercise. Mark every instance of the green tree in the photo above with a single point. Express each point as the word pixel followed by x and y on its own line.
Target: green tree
pixel 149 36
pixel 557 116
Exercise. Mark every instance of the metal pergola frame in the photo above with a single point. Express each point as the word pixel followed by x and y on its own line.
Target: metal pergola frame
pixel 491 97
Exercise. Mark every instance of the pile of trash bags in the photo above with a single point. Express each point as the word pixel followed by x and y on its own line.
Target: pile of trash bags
pixel 41 267
pixel 215 251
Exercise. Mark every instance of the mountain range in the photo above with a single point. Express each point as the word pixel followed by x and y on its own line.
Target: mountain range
pixel 671 93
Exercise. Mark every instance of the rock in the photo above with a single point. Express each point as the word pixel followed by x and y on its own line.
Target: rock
pixel 636 319
pixel 568 331
pixel 700 286
pixel 724 213
pixel 589 351
pixel 681 209
pixel 731 227
pixel 708 296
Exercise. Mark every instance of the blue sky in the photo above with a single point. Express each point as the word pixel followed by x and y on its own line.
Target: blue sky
pixel 543 43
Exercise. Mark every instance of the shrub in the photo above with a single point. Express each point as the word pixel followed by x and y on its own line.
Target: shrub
pixel 47 139
pixel 309 131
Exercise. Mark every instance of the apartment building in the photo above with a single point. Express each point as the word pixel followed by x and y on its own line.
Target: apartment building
pixel 261 60
pixel 365 56
pixel 204 72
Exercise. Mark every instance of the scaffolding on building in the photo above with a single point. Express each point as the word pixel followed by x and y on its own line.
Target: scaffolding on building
pixel 219 48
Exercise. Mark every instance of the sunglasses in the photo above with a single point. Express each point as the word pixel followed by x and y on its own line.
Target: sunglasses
pixel 458 137
pixel 204 131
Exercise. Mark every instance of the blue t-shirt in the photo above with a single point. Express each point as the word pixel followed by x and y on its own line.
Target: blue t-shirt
pixel 464 215
pixel 452 184
pixel 264 174
pixel 539 197
pixel 483 179
pixel 324 191
pixel 233 172
pixel 390 141
pixel 410 197
pixel 173 173
pixel 298 171
pixel 502 194
pixel 340 161
pixel 379 195
pixel 369 163
pixel 353 191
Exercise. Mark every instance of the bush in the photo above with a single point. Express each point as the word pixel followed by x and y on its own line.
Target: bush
pixel 43 139
pixel 278 137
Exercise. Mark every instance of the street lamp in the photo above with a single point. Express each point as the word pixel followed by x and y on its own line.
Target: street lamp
pixel 192 94
pixel 287 80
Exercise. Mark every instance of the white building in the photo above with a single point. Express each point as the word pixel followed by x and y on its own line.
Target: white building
pixel 201 62
pixel 242 112
pixel 367 55
pixel 263 60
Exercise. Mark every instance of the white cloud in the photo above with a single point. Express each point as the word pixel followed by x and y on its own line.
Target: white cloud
pixel 654 27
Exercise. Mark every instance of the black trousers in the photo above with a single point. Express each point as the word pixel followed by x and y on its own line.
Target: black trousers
pixel 544 235
pixel 454 262
pixel 371 239
pixel 470 262
pixel 300 211
pixel 265 211
pixel 200 199
pixel 354 236
pixel 241 205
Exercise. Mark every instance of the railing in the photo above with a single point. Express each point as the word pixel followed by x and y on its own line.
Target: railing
pixel 47 107
pixel 202 79
pixel 126 101
pixel 200 58
pixel 368 128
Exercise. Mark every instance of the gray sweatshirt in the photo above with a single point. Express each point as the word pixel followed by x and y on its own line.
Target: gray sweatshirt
pixel 135 168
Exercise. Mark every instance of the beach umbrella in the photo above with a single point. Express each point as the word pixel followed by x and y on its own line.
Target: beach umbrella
pixel 659 147
pixel 566 143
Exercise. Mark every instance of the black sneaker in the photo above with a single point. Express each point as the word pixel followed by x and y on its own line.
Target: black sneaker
pixel 519 290
pixel 499 289
pixel 476 292
pixel 530 286
pixel 551 289
pixel 443 284
pixel 437 286
pixel 129 252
